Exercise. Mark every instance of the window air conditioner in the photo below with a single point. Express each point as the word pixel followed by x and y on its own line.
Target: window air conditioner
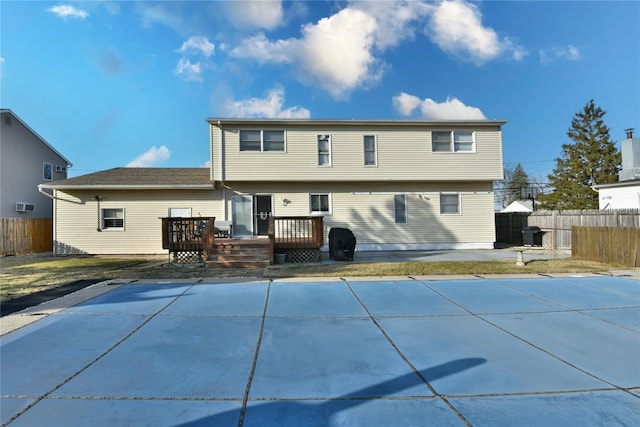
pixel 24 207
pixel 60 168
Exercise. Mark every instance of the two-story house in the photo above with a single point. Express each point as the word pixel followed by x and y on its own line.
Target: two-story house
pixel 26 160
pixel 397 185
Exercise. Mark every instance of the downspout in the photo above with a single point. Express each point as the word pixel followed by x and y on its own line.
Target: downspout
pixel 222 173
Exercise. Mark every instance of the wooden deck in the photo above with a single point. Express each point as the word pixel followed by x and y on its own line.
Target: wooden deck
pixel 198 235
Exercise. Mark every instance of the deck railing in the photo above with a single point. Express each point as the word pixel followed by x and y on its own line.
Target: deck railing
pixel 187 234
pixel 197 234
pixel 294 232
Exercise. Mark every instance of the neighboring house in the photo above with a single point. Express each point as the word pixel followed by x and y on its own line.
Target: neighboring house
pixel 26 160
pixel 624 194
pixel 397 185
pixel 519 206
pixel 620 195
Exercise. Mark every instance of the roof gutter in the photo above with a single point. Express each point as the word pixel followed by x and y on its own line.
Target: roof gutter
pixel 356 122
pixel 128 187
pixel 41 190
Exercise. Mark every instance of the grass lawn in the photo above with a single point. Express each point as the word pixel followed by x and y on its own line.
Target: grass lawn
pixel 22 275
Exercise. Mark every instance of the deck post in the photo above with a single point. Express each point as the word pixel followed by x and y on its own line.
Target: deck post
pixel 208 239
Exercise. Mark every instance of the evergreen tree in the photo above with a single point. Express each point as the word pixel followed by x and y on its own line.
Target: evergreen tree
pixel 591 159
pixel 510 188
pixel 519 181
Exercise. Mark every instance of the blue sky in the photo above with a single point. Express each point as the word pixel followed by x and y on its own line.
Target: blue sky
pixel 130 83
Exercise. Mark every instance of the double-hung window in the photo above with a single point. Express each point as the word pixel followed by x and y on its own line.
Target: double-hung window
pixel 47 171
pixel 400 208
pixel 319 203
pixel 262 140
pixel 370 150
pixel 453 141
pixel 324 150
pixel 450 204
pixel 112 219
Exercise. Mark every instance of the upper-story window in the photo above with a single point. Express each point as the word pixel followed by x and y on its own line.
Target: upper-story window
pixel 47 171
pixel 262 140
pixel 453 141
pixel 324 150
pixel 370 150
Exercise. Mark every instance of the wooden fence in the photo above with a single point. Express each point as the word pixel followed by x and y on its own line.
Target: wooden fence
pixel 556 225
pixel 20 236
pixel 619 245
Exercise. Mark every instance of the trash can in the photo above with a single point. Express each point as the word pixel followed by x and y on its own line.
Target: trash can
pixel 280 258
pixel 531 236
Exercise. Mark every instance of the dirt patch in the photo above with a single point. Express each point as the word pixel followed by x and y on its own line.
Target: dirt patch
pixel 17 304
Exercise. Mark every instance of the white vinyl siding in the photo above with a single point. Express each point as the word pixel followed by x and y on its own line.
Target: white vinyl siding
pixel 369 211
pixel 402 155
pixel 78 219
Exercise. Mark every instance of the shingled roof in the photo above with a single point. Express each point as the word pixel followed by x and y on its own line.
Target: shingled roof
pixel 130 178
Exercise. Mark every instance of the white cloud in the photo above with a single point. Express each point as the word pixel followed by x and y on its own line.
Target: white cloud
pixel 341 53
pixel 261 49
pixel 268 107
pixel 68 11
pixel 406 104
pixel 162 14
pixel 152 156
pixel 396 20
pixel 456 27
pixel 335 53
pixel 206 164
pixel 197 45
pixel 567 53
pixel 261 14
pixel 188 71
pixel 451 109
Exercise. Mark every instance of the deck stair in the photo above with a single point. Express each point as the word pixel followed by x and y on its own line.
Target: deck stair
pixel 240 253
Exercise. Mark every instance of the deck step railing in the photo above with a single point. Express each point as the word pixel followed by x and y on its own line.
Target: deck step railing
pixel 289 232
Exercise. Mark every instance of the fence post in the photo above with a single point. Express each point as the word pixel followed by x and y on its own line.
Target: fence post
pixel 554 232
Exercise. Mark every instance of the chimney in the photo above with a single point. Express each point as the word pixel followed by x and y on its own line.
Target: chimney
pixel 630 150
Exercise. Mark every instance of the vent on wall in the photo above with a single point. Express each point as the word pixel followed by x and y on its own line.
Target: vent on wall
pixel 60 168
pixel 24 207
